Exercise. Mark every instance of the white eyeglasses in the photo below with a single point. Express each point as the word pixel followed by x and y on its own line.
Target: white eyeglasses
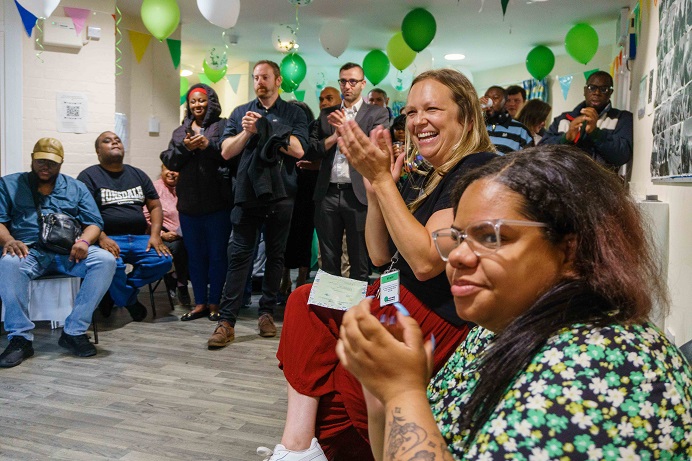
pixel 483 237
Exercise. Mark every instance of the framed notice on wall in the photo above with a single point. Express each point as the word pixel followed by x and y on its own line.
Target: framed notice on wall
pixel 671 154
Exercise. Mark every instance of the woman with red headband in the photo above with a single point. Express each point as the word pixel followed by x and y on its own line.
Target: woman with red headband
pixel 204 197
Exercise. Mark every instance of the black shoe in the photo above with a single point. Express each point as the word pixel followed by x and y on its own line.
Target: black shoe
pixel 170 283
pixel 19 349
pixel 137 311
pixel 184 296
pixel 106 305
pixel 79 345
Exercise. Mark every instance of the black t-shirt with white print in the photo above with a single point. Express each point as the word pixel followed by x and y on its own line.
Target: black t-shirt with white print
pixel 120 197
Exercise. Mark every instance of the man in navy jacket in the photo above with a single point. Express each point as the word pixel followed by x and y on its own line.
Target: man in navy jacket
pixel 601 131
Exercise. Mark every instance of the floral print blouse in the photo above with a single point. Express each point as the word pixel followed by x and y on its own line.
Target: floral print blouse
pixel 607 393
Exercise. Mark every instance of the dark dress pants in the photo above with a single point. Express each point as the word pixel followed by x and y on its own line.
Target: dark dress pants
pixel 241 250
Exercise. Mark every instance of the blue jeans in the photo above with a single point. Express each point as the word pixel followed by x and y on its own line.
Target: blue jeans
pixel 206 238
pixel 148 267
pixel 97 271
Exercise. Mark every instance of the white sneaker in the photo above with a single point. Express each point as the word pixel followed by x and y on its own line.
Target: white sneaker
pixel 280 453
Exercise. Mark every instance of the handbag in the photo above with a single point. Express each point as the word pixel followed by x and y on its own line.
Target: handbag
pixel 57 231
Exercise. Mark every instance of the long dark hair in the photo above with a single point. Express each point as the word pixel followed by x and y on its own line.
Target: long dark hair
pixel 616 277
pixel 213 105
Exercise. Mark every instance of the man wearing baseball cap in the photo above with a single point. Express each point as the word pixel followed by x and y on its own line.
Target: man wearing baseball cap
pixel 24 259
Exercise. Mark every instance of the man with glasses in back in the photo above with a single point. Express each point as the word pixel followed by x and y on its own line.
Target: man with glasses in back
pixel 341 201
pixel 594 126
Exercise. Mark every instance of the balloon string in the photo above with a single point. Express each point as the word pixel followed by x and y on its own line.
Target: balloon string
pixel 482 4
pixel 297 21
pixel 39 36
pixel 225 42
pixel 118 40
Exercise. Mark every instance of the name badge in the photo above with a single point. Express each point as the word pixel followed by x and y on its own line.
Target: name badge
pixel 389 288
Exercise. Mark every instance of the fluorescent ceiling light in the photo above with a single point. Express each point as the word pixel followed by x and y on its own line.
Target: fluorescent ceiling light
pixel 185 72
pixel 454 57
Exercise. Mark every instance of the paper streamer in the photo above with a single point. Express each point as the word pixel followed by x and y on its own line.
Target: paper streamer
pixel 28 19
pixel 234 81
pixel 140 42
pixel 174 49
pixel 565 84
pixel 117 17
pixel 78 16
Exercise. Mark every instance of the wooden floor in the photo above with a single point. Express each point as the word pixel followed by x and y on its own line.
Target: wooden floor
pixel 153 392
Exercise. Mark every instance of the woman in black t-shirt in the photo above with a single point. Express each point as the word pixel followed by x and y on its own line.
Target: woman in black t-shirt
pixel 445 126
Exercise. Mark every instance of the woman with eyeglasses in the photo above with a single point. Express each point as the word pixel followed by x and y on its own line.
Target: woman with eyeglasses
pixel 560 277
pixel 445 126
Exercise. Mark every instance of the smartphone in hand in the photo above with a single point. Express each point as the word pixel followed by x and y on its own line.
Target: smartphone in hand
pixel 190 131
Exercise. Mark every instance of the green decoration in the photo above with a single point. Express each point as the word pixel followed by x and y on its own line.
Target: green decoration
pixel 540 61
pixel 184 85
pixel 375 66
pixel 160 17
pixel 288 85
pixel 214 74
pixel 174 49
pixel 293 70
pixel 399 53
pixel 504 7
pixel 588 73
pixel 418 29
pixel 300 95
pixel 581 42
pixel 204 79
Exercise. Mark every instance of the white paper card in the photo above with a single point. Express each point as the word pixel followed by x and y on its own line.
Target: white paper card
pixel 72 112
pixel 389 288
pixel 336 292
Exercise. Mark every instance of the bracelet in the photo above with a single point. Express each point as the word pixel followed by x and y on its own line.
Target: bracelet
pixel 82 240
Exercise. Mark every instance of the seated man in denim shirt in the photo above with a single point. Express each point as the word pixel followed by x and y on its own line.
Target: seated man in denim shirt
pixel 24 260
pixel 120 191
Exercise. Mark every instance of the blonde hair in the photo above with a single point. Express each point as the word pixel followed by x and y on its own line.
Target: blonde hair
pixel 474 140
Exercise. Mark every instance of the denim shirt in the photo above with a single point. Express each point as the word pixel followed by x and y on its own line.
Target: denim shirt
pixel 18 212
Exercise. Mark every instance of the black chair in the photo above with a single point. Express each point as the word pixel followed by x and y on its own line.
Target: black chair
pixel 152 288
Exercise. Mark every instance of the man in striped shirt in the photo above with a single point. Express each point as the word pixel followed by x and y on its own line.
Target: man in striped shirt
pixel 505 133
pixel 601 131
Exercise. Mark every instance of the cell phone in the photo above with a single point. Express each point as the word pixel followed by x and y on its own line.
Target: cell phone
pixel 190 131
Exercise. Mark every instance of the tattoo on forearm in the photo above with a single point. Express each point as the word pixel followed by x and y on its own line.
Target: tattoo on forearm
pixel 407 441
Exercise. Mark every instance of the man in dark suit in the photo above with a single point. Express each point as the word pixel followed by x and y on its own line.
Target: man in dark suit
pixel 341 201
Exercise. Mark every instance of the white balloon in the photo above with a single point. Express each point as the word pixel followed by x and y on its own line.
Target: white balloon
pixel 284 38
pixel 401 79
pixel 222 13
pixel 216 59
pixel 423 62
pixel 40 8
pixel 334 37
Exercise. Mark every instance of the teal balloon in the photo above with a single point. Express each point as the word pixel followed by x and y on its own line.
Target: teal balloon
pixel 160 17
pixel 399 53
pixel 288 86
pixel 540 61
pixel 293 69
pixel 418 29
pixel 581 42
pixel 375 66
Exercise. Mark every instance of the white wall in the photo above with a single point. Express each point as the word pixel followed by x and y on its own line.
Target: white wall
pixel 678 196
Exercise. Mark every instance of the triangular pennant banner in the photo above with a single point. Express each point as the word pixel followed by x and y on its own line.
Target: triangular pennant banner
pixel 300 95
pixel 79 16
pixel 234 81
pixel 174 48
pixel 588 73
pixel 504 7
pixel 204 79
pixel 139 42
pixel 565 84
pixel 28 19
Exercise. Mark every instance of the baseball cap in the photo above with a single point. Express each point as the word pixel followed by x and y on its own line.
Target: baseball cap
pixel 49 149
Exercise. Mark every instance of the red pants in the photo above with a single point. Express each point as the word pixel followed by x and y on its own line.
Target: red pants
pixel 308 358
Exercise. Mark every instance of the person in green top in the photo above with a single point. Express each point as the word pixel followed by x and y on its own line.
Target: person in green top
pixel 549 256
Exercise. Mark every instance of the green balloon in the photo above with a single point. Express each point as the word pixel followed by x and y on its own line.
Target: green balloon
pixel 540 61
pixel 184 84
pixel 293 68
pixel 418 29
pixel 214 74
pixel 160 17
pixel 581 42
pixel 288 85
pixel 399 53
pixel 375 66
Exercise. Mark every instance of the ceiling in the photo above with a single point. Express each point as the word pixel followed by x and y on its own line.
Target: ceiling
pixel 474 28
